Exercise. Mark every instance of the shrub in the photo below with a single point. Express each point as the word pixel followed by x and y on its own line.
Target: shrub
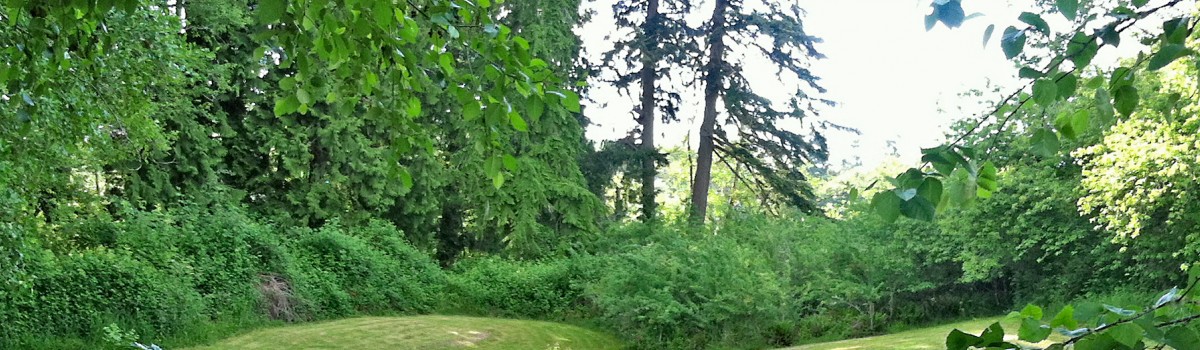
pixel 548 289
pixel 338 274
pixel 691 292
pixel 219 248
pixel 76 296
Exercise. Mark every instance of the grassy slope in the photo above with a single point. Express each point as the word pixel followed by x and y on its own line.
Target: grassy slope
pixel 924 338
pixel 422 332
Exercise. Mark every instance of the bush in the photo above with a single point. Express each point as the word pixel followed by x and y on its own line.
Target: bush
pixel 686 292
pixel 76 296
pixel 218 248
pixel 549 289
pixel 338 274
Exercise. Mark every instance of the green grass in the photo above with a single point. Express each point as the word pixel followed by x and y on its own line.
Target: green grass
pixel 924 338
pixel 422 332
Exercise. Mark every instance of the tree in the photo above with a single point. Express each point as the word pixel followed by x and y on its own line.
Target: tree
pixel 1125 188
pixel 751 133
pixel 660 41
pixel 312 108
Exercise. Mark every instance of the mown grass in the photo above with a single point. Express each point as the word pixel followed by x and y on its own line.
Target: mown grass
pixel 422 332
pixel 916 339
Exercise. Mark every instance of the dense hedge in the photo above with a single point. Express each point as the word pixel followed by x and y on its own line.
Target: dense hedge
pixel 168 275
pixel 201 271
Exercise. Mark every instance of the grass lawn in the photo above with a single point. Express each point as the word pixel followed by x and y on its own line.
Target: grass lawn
pixel 422 332
pixel 924 338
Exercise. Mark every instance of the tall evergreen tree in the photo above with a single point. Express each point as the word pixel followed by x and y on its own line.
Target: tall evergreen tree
pixel 751 133
pixel 661 40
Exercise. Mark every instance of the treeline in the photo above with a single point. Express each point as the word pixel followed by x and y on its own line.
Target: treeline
pixel 192 177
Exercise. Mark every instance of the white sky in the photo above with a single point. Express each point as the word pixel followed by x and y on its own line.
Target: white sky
pixel 886 72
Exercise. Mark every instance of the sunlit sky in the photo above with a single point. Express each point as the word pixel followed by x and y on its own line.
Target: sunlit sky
pixel 892 79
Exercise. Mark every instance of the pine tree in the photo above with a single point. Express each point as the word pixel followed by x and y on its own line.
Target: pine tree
pixel 750 133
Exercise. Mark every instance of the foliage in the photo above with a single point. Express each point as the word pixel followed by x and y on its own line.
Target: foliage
pixel 689 293
pixel 1164 322
pixel 78 295
pixel 169 274
pixel 1053 78
pixel 549 289
pixel 341 274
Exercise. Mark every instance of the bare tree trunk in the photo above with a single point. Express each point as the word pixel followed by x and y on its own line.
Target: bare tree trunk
pixel 712 91
pixel 648 77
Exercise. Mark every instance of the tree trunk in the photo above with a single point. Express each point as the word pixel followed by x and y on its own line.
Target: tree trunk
pixel 648 77
pixel 712 91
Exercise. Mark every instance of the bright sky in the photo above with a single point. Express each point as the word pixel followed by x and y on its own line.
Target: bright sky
pixel 893 80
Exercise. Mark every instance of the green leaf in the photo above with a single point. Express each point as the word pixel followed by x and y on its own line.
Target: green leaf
pixel 510 162
pixel 1087 311
pixel 571 101
pixel 1127 334
pixel 1045 143
pixel 1126 100
pixel 1082 49
pixel 962 189
pixel 931 190
pixel 383 14
pixel 1033 331
pixel 957 340
pixel 1183 338
pixel 1032 311
pixel 1067 85
pixel 1012 42
pixel 937 157
pixel 1110 36
pixel 1071 125
pixel 1030 73
pixel 1045 91
pixel 1065 319
pixel 303 97
pixel 410 30
pixel 887 205
pixel 472 110
pixel 1036 21
pixel 536 108
pixel 1104 107
pixel 518 122
pixel 406 179
pixel 993 335
pixel 270 11
pixel 498 180
pixel 414 107
pixel 1150 328
pixel 1096 342
pixel 1122 76
pixel 987 180
pixel 446 61
pixel 1175 31
pixel 1139 3
pixel 1068 8
pixel 1166 54
pixel 987 33
pixel 286 105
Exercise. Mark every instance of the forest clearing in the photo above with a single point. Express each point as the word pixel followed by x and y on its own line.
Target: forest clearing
pixel 599 174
